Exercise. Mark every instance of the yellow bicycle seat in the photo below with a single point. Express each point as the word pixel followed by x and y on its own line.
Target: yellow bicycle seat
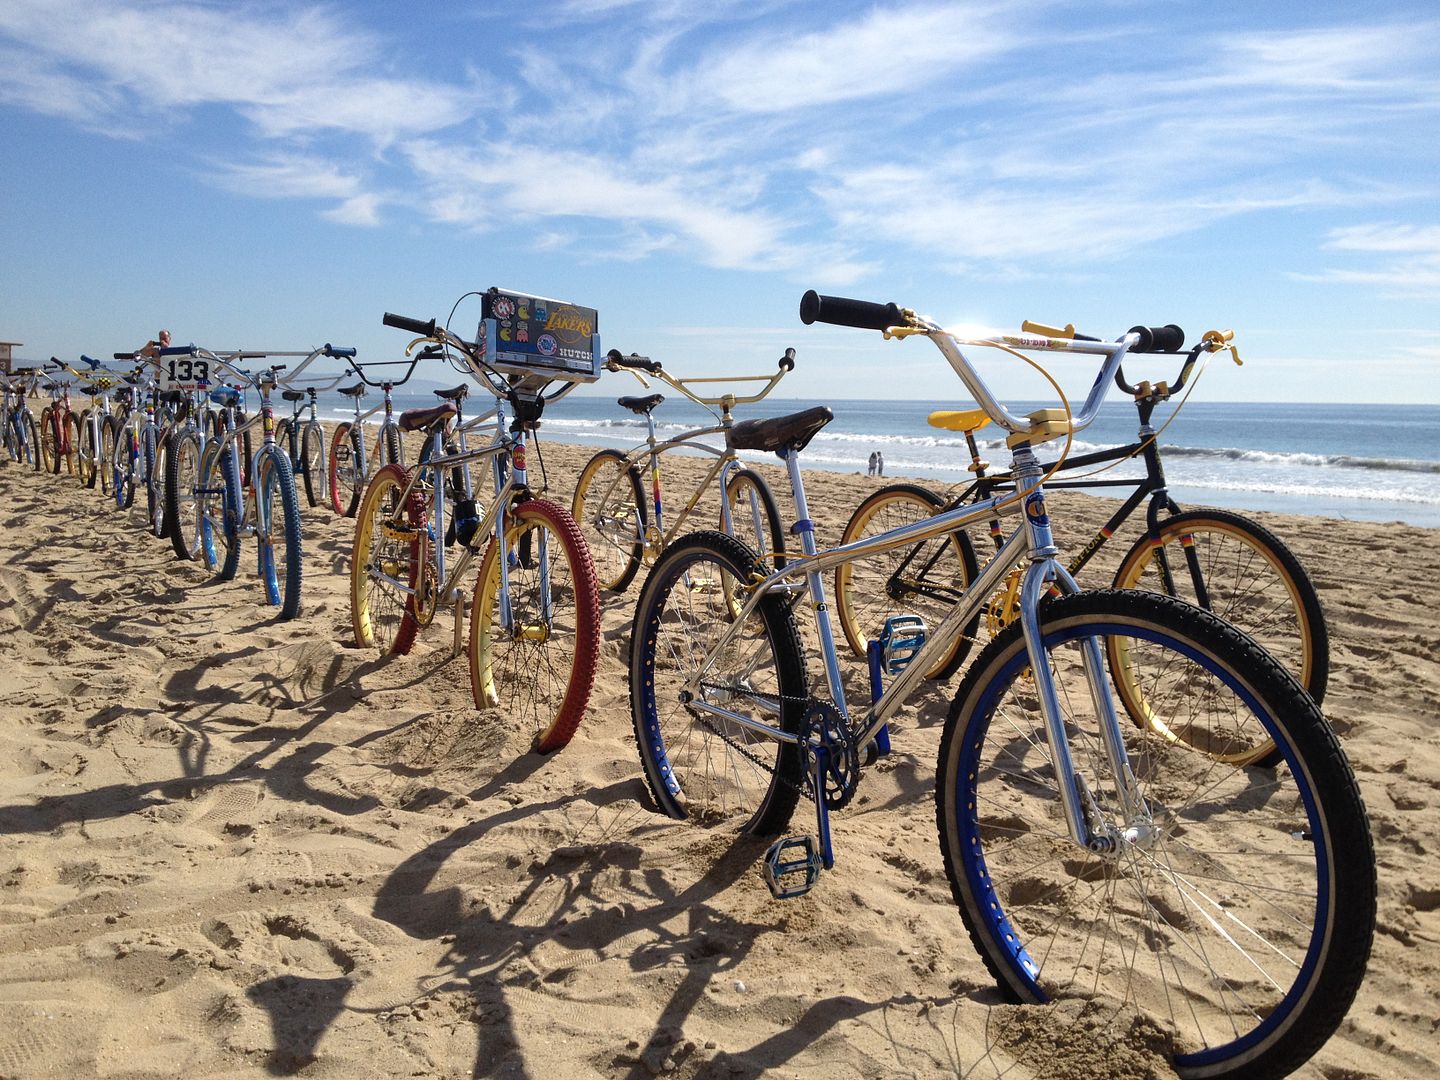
pixel 965 420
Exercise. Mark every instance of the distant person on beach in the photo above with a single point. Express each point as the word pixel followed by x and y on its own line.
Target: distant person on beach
pixel 879 463
pixel 152 348
pixel 873 455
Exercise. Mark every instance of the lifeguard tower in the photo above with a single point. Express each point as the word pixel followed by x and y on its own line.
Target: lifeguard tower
pixel 5 348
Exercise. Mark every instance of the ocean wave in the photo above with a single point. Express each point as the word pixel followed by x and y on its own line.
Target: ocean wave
pixel 1321 461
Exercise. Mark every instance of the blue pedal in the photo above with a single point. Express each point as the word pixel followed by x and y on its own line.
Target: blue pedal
pixel 792 866
pixel 902 637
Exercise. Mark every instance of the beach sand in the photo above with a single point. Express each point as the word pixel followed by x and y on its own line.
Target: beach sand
pixel 236 847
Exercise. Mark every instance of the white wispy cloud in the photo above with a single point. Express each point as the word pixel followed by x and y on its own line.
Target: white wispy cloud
pixel 288 71
pixel 1409 263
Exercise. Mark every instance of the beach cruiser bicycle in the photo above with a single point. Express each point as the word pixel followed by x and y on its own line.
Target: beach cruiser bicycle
pixel 1097 864
pixel 95 425
pixel 268 509
pixel 534 607
pixel 303 438
pixel 59 425
pixel 351 464
pixel 1219 560
pixel 21 430
pixel 624 533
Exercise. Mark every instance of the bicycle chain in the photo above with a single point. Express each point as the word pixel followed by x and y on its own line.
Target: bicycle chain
pixel 806 787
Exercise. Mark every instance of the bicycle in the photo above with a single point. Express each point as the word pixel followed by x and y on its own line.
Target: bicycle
pixel 268 508
pixel 1219 560
pixel 59 426
pixel 622 531
pixel 21 430
pixel 138 444
pixel 350 465
pixel 535 608
pixel 1094 865
pixel 304 440
pixel 95 425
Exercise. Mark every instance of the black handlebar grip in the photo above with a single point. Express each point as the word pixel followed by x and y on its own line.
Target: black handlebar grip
pixel 124 356
pixel 788 360
pixel 415 326
pixel 634 360
pixel 176 350
pixel 90 360
pixel 1168 338
pixel 336 350
pixel 841 311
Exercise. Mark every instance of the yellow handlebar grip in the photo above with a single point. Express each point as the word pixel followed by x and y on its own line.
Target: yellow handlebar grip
pixel 1031 327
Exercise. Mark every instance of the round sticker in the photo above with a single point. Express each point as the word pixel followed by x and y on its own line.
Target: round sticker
pixel 503 307
pixel 545 344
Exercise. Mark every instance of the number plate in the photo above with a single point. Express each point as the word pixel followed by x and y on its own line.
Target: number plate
pixel 184 372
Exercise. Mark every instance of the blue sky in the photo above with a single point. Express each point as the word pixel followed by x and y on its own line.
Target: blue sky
pixel 279 174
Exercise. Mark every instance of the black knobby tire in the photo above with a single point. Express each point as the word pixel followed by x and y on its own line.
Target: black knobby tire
pixel 1240 917
pixel 32 440
pixel 182 465
pixel 700 766
pixel 312 461
pixel 615 531
pixel 233 513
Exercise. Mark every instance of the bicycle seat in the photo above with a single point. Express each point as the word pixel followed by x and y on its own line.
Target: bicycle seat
pixel 640 404
pixel 172 397
pixel 125 395
pixel 964 420
pixel 358 390
pixel 293 395
pixel 424 419
pixel 792 432
pixel 455 393
pixel 225 396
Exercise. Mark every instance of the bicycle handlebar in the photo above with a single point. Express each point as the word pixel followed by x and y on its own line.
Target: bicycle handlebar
pixel 404 322
pixel 615 362
pixel 842 311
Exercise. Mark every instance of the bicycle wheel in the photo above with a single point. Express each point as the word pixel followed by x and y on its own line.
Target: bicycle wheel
pixel 346 477
pixel 153 447
pixel 312 461
pixel 277 532
pixel 49 441
pixel 390 447
pixel 1239 570
pixel 182 481
pixel 70 451
pixel 755 518
pixel 32 440
pixel 609 507
pixel 1238 913
pixel 697 764
pixel 388 563
pixel 535 628
pixel 125 457
pixel 85 451
pixel 105 463
pixel 924 579
pixel 219 511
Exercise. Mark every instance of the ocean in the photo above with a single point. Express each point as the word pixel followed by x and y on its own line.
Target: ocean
pixel 1363 462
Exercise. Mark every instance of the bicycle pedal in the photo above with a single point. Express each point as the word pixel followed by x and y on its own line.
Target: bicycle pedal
pixel 901 639
pixel 792 866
